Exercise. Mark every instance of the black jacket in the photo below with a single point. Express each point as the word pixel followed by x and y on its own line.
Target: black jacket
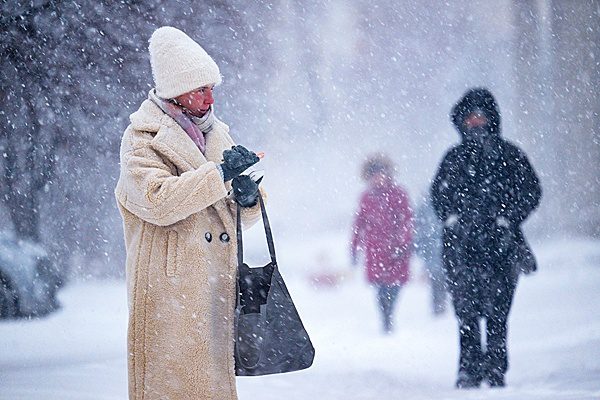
pixel 485 187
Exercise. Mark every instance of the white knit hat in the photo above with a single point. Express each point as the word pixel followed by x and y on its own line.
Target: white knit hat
pixel 179 65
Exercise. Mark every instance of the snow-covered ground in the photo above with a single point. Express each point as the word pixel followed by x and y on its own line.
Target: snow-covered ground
pixel 79 352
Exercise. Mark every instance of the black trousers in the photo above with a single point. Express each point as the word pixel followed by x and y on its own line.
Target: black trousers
pixel 386 298
pixel 482 292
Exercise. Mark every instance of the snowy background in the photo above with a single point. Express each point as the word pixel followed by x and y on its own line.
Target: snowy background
pixel 317 85
pixel 79 352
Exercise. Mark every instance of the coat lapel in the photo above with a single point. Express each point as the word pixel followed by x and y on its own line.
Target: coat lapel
pixel 216 142
pixel 174 143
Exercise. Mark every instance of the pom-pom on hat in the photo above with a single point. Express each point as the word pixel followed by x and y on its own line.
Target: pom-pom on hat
pixel 179 64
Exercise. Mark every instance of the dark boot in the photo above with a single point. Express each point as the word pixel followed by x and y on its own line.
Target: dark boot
pixel 387 325
pixel 386 297
pixel 467 381
pixel 471 356
pixel 496 357
pixel 495 379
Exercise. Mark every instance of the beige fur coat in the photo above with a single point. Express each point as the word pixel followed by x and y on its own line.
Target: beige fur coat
pixel 181 260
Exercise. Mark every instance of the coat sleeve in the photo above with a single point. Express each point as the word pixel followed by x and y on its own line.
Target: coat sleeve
pixel 250 215
pixel 406 222
pixel 359 226
pixel 527 191
pixel 442 189
pixel 151 192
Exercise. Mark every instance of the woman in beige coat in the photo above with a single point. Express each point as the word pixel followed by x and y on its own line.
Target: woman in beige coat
pixel 179 224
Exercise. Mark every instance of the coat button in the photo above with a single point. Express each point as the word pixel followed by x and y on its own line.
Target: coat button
pixel 224 237
pixel 208 237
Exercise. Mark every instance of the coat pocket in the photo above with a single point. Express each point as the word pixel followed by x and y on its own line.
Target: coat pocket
pixel 172 242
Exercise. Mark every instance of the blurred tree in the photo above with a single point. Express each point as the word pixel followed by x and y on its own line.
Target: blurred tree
pixel 28 155
pixel 575 41
pixel 557 47
pixel 70 74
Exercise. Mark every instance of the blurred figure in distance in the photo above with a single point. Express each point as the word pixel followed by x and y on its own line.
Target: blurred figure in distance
pixel 428 246
pixel 383 230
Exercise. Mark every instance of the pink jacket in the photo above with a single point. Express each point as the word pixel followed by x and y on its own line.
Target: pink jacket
pixel 383 229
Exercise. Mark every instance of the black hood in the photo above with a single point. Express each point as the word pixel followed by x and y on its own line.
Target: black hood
pixel 473 99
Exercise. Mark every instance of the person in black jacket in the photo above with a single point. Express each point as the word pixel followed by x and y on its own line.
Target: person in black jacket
pixel 485 188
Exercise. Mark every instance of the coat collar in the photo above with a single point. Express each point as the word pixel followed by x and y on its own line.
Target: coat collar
pixel 175 144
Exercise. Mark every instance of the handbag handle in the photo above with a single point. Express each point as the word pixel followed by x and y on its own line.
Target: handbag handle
pixel 268 233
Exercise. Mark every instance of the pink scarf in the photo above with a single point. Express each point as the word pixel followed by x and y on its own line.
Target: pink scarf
pixel 195 129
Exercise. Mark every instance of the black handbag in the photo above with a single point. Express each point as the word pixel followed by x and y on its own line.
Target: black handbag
pixel 523 257
pixel 270 337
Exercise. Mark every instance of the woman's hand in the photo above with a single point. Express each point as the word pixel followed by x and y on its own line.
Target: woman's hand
pixel 245 190
pixel 236 161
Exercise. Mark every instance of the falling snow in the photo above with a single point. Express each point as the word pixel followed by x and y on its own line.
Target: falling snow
pixel 318 86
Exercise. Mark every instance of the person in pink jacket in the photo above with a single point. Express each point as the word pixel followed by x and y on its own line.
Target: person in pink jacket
pixel 383 230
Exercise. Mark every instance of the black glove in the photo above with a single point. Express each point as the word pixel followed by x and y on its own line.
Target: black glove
pixel 245 190
pixel 236 161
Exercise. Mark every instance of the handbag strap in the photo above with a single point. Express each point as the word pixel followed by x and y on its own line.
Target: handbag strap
pixel 268 232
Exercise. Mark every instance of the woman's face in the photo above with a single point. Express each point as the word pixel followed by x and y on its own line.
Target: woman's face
pixel 198 101
pixel 476 119
pixel 378 179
